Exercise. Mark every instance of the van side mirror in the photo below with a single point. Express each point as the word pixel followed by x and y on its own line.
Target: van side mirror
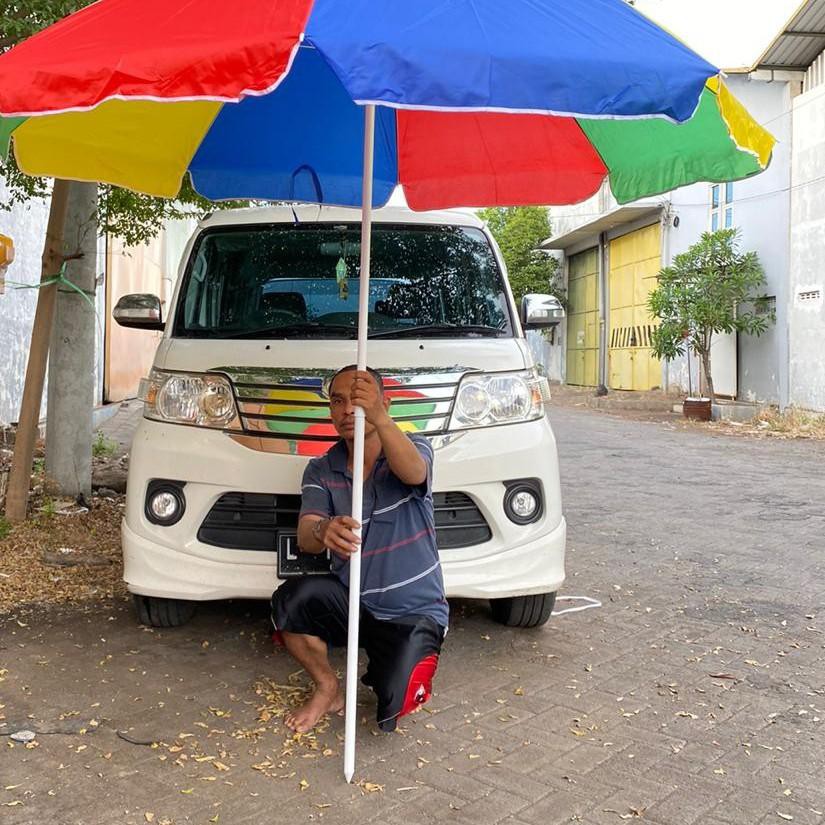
pixel 541 311
pixel 140 311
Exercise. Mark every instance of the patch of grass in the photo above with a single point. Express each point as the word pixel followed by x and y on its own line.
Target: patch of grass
pixel 48 507
pixel 103 446
pixel 792 423
pixel 5 527
pixel 39 466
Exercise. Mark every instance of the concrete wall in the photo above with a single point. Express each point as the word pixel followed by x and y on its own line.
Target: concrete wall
pixel 762 212
pixel 807 254
pixel 548 350
pixel 151 267
pixel 26 225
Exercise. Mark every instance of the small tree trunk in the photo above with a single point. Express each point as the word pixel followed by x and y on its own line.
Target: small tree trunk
pixel 17 497
pixel 705 353
pixel 72 354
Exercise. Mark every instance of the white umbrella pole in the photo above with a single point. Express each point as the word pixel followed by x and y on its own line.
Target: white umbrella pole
pixel 358 449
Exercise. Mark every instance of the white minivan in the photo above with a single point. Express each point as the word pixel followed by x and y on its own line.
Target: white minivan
pixel 264 312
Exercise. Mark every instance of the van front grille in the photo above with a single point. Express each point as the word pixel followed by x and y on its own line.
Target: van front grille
pixel 290 408
pixel 248 521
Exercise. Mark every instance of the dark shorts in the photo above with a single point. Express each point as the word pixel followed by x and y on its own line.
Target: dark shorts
pixel 403 653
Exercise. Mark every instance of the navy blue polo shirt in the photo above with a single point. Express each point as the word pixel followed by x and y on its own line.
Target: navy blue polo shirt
pixel 400 568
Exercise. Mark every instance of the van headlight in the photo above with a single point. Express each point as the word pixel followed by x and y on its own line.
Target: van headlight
pixel 485 399
pixel 200 399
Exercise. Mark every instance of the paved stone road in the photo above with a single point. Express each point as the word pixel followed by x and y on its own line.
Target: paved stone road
pixel 696 694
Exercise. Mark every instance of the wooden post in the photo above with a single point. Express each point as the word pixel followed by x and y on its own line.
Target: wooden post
pixel 17 494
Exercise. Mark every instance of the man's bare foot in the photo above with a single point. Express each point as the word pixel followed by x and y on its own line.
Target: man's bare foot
pixel 327 698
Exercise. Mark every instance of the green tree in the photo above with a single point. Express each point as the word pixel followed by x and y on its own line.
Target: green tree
pixel 518 231
pixel 711 288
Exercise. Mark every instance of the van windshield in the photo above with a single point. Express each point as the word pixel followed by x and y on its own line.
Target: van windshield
pixel 301 281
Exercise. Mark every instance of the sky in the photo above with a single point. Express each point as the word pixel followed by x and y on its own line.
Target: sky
pixel 729 33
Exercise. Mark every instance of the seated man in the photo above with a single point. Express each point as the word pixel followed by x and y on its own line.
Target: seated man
pixel 403 609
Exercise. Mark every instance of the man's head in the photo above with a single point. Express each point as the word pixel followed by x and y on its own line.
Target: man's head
pixel 340 404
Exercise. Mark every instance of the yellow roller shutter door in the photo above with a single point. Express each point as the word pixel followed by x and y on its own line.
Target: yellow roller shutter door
pixel 635 260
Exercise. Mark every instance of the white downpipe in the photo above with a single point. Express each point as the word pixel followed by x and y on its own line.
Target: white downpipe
pixel 358 449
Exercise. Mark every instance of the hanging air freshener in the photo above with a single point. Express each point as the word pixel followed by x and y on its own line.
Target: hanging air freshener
pixel 341 277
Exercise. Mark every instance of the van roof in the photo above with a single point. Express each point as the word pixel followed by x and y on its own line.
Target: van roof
pixel 308 213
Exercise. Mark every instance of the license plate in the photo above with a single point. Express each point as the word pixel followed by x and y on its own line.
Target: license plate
pixel 292 562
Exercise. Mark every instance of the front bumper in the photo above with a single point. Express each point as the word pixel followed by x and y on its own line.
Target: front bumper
pixel 153 570
pixel 171 562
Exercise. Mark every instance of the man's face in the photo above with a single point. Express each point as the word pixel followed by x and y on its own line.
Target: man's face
pixel 341 409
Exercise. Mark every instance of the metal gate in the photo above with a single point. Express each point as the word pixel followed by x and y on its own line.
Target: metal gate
pixel 583 319
pixel 635 260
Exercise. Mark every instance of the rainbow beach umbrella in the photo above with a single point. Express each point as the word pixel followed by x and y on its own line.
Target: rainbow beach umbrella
pixel 460 102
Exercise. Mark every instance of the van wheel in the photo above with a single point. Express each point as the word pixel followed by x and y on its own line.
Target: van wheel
pixel 156 612
pixel 523 611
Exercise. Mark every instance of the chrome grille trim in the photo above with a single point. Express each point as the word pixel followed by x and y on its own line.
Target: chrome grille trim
pixel 284 403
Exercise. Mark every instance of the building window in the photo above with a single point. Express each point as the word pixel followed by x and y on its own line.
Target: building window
pixel 721 206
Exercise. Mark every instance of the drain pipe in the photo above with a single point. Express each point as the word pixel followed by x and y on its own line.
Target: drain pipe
pixel 667 220
pixel 602 387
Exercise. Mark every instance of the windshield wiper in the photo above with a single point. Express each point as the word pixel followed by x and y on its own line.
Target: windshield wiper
pixel 446 330
pixel 309 329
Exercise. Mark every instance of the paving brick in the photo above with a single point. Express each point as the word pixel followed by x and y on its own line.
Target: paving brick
pixel 529 787
pixel 692 798
pixel 556 808
pixel 493 807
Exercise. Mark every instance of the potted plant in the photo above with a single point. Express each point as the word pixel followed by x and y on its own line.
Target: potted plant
pixel 707 290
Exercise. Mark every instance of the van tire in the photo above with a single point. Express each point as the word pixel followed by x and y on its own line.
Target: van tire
pixel 523 611
pixel 156 612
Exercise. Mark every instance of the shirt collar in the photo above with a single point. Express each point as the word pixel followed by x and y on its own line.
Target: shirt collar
pixel 338 457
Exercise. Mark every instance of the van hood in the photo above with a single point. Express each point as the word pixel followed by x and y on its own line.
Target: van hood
pixel 458 354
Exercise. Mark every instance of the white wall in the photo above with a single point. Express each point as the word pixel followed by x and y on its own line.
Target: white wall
pixel 762 212
pixel 26 225
pixel 807 258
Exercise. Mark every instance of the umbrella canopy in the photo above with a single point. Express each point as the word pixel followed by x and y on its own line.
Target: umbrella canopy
pixel 535 106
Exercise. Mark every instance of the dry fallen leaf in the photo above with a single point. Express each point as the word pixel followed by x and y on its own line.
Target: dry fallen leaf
pixel 786 817
pixel 304 784
pixel 149 816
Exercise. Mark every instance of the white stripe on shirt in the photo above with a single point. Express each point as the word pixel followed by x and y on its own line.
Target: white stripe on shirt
pixel 392 506
pixel 401 584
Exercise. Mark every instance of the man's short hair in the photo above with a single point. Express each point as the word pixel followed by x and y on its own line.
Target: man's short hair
pixel 350 368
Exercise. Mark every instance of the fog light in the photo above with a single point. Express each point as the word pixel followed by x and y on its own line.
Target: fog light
pixel 164 506
pixel 523 501
pixel 165 503
pixel 524 504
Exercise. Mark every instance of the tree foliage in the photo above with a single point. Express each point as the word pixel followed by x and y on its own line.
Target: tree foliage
pixel 711 288
pixel 518 231
pixel 23 18
pixel 130 216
